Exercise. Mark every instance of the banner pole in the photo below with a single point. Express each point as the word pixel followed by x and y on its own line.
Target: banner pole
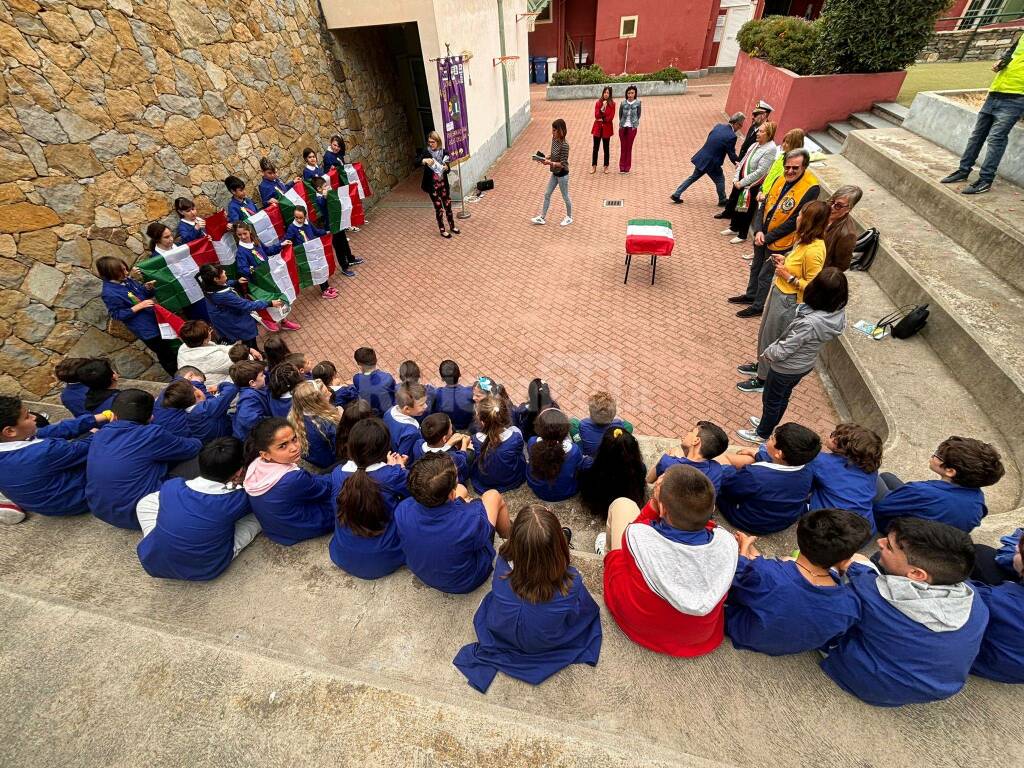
pixel 463 214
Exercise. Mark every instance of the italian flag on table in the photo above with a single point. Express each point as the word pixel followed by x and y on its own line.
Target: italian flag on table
pixel 269 224
pixel 298 266
pixel 175 273
pixel 649 236
pixel 168 322
pixel 300 194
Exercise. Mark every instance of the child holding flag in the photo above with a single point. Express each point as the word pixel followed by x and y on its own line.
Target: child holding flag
pixel 250 255
pixel 271 185
pixel 338 239
pixel 239 206
pixel 229 312
pixel 301 231
pixel 190 225
pixel 161 243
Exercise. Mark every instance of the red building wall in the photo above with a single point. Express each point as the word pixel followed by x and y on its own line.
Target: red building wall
pixel 669 33
pixel 575 18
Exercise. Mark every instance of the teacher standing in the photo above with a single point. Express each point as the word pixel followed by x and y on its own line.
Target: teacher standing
pixel 604 116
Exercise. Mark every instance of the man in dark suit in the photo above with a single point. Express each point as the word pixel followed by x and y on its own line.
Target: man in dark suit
pixel 761 112
pixel 721 141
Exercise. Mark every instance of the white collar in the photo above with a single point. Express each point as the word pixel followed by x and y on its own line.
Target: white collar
pixel 190 408
pixel 250 245
pixel 430 449
pixel 312 167
pixel 777 467
pixel 17 445
pixel 505 435
pixel 350 466
pixel 162 251
pixel 213 487
pixel 285 396
pixel 403 418
pixel 566 443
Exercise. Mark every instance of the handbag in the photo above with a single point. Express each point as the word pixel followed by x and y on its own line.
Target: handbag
pixel 906 321
pixel 485 185
pixel 864 250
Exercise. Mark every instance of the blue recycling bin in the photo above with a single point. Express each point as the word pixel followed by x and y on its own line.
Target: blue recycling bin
pixel 540 68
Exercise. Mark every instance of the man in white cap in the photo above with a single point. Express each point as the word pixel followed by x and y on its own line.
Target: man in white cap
pixel 760 113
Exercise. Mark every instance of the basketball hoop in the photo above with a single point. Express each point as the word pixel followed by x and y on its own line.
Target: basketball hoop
pixel 531 18
pixel 509 64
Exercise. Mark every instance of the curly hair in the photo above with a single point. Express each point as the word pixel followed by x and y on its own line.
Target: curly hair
pixel 859 445
pixel 977 464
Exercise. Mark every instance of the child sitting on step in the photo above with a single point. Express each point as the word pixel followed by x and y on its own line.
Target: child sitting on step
pixel 100 380
pixel 72 396
pixel 374 386
pixel 588 432
pixel 316 422
pixel 555 461
pixel 187 411
pixel 453 399
pixel 845 474
pixel 199 350
pixel 1001 656
pixel 699 448
pixel 410 402
pixel 439 437
pixel 500 463
pixel 249 376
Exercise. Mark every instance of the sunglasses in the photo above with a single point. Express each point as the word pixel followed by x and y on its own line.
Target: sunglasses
pixel 792 167
pixel 838 204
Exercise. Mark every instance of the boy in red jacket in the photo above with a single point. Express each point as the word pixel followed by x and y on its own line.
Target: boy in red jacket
pixel 668 570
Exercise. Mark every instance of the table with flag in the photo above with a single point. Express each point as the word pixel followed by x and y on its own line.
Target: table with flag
pixel 648 237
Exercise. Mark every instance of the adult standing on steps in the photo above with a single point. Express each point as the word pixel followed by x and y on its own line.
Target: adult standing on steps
pixel 775 227
pixel 604 117
pixel 721 141
pixel 841 232
pixel 996 118
pixel 757 118
pixel 747 181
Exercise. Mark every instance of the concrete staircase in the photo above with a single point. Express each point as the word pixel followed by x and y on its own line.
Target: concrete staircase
pixel 883 114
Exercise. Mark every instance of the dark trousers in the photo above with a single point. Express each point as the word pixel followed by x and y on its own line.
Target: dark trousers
pixel 775 399
pixel 342 250
pixel 886 483
pixel 714 173
pixel 730 204
pixel 987 570
pixel 740 221
pixel 762 273
pixel 626 138
pixel 166 351
pixel 606 143
pixel 442 204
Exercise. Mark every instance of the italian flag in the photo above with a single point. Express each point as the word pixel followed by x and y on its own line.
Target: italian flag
pixel 313 261
pixel 300 194
pixel 168 322
pixel 649 236
pixel 296 267
pixel 175 273
pixel 355 173
pixel 272 280
pixel 269 224
pixel 344 208
pixel 223 241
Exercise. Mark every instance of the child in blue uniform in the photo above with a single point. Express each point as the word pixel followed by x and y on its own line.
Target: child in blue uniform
pixel 253 403
pixel 72 396
pixel 453 399
pixel 99 379
pixel 409 373
pixel 240 205
pixel 191 226
pixel 921 624
pixel 790 606
pixel 311 169
pixel 438 437
pixel 1002 655
pixel 538 617
pixel 699 448
pixel 500 462
pixel 410 402
pixel 375 387
pixel 845 475
pixel 281 381
pixel 538 398
pixel 193 529
pixel 446 537
pixel 189 412
pixel 131 303
pixel 301 231
pixel 334 155
pixel 618 471
pixel 250 254
pixel 270 186
pixel 368 487
pixel 316 422
pixel 588 432
pixel 555 460
pixel 339 240
pixel 964 466
pixel 766 490
pixel 42 470
pixel 230 314
pixel 291 504
pixel 130 458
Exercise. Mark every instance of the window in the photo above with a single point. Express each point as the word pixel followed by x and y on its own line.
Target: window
pixel 981 12
pixel 544 17
pixel 627 26
pixel 719 28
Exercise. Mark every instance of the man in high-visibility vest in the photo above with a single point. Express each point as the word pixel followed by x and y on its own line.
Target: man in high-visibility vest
pixel 1000 112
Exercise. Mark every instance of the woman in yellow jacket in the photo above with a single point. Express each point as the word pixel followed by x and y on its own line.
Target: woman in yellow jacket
pixel 792 274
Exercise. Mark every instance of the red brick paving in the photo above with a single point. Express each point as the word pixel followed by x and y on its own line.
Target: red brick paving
pixel 513 300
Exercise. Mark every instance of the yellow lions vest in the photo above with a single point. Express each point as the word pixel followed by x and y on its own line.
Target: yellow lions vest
pixel 786 207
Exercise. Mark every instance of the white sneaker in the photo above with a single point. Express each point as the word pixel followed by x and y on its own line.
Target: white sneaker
pixel 747 257
pixel 538 220
pixel 727 231
pixel 566 221
pixel 755 420
pixel 10 514
pixel 601 543
pixel 738 240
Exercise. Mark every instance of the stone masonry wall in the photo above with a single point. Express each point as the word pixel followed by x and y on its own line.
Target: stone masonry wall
pixel 109 109
pixel 986 45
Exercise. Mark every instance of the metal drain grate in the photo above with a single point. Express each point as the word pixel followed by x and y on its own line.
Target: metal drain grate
pixel 614 203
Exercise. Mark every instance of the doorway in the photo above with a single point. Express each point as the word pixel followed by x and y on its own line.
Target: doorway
pixel 403 43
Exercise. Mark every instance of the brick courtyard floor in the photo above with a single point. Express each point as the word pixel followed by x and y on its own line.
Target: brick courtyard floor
pixel 513 300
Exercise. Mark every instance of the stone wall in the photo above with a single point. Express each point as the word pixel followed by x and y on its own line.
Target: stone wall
pixel 111 108
pixel 986 45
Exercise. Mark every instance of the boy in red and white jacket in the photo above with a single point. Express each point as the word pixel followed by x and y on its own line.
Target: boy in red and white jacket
pixel 669 568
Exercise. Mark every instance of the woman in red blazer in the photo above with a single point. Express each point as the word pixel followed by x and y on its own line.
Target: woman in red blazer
pixel 604 114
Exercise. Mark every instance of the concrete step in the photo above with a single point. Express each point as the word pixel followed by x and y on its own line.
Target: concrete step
pixel 977 318
pixel 869 120
pixel 826 141
pixel 840 129
pixel 990 226
pixel 297 655
pixel 890 110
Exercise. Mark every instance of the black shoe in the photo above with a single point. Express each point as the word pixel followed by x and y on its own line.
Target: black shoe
pixel 722 215
pixel 356 260
pixel 977 188
pixel 750 312
pixel 751 386
pixel 955 176
pixel 675 199
pixel 568 536
pixel 748 369
pixel 741 299
pixel 456 231
pixel 722 203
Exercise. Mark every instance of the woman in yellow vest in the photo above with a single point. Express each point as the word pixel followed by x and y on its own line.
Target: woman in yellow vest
pixel 792 274
pixel 996 118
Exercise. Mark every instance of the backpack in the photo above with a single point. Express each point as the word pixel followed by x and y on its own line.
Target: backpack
pixel 905 321
pixel 864 250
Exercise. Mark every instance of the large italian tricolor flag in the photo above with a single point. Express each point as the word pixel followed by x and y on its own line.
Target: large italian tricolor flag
pixel 297 266
pixel 269 224
pixel 344 209
pixel 300 194
pixel 223 241
pixel 175 273
pixel 649 236
pixel 168 322
pixel 354 173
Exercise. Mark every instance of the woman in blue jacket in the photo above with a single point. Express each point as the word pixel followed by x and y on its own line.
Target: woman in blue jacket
pixel 131 302
pixel 230 313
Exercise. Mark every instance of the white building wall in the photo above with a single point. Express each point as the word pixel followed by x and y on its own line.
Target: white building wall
pixel 738 13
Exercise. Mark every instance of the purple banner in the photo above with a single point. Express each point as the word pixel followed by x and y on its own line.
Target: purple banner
pixel 451 76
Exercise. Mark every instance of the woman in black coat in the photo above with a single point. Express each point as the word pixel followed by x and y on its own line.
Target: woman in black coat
pixel 435 183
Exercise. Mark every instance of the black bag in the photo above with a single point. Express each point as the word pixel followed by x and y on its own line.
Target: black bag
pixel 485 185
pixel 905 321
pixel 864 250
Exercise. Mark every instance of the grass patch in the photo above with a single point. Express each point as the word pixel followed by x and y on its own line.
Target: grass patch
pixel 945 76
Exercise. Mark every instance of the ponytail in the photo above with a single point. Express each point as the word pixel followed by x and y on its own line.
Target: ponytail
pixel 361 506
pixel 547 455
pixel 493 415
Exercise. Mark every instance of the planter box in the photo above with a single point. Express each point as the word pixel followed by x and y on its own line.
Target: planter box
pixel 947 121
pixel 809 102
pixel 644 88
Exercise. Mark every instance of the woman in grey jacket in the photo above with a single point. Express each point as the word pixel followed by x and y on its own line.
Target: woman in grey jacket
pixel 750 172
pixel 821 318
pixel 629 121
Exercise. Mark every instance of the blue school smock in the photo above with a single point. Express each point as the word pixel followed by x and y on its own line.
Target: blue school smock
pixel 239 209
pixel 343 395
pixel 231 316
pixel 592 434
pixel 249 256
pixel 887 659
pixel 773 609
pixel 300 506
pixel 332 159
pixel 377 388
pixel 321 210
pixel 530 641
pixel 1001 656
pixel 200 385
pixel 280 407
pixel 119 306
pixel 126 462
pixel 253 406
pixel 370 557
pixel 194 537
pixel 564 486
pixel 709 467
pixel 307 231
pixel 448 547
pixel 46 474
pixel 322 450
pixel 461 458
pixel 764 497
pixel 268 190
pixel 308 174
pixel 390 478
pixel 837 483
pixel 456 401
pixel 187 232
pixel 404 430
pixel 937 500
pixel 204 421
pixel 72 397
pixel 504 468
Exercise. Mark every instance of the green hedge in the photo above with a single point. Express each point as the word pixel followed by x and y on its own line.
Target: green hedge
pixel 785 41
pixel 597 76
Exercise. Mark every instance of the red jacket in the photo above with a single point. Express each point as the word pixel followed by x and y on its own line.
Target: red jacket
pixel 603 120
pixel 649 620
